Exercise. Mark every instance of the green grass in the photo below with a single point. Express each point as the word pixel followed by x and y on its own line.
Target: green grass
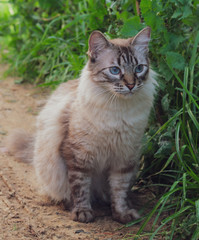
pixel 182 196
pixel 47 45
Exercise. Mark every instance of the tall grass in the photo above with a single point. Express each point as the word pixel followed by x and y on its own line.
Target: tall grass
pixel 48 39
pixel 5 12
pixel 181 199
pixel 47 42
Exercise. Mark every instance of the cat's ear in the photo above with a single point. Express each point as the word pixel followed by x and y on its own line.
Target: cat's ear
pixel 97 42
pixel 141 41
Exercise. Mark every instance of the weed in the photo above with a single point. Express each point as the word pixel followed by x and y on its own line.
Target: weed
pixel 46 42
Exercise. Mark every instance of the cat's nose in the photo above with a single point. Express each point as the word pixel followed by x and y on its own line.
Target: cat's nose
pixel 130 86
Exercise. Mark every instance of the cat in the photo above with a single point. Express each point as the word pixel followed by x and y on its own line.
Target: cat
pixel 88 139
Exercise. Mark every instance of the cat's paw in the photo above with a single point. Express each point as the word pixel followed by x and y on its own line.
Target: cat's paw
pixel 125 216
pixel 82 215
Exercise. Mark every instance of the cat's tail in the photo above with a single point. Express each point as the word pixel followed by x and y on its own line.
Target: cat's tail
pixel 21 144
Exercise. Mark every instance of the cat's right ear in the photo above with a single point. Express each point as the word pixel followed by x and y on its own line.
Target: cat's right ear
pixel 141 40
pixel 97 43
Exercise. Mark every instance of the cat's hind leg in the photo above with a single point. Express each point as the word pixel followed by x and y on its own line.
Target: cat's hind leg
pixel 51 170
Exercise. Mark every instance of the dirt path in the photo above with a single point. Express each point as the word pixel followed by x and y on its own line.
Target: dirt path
pixel 24 214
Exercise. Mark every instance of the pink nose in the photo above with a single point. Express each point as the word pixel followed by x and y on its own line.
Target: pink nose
pixel 130 86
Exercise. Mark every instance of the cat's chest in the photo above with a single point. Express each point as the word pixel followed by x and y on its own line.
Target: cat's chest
pixel 111 136
pixel 120 133
pixel 116 142
pixel 121 121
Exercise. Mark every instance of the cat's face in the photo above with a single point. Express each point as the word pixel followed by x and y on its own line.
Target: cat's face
pixel 120 65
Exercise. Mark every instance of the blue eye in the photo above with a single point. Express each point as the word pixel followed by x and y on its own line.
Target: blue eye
pixel 139 68
pixel 114 70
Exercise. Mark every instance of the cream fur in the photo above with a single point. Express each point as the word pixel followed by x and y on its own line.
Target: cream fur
pixel 110 130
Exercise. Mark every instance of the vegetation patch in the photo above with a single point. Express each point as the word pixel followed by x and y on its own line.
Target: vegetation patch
pixel 45 43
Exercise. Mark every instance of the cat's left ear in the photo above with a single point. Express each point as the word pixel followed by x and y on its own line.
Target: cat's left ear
pixel 141 41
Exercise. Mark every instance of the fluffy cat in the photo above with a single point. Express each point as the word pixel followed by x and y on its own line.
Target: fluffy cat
pixel 88 138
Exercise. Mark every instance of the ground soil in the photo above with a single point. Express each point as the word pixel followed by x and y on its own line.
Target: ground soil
pixel 24 213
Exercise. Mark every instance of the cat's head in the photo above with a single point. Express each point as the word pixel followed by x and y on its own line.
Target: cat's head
pixel 120 66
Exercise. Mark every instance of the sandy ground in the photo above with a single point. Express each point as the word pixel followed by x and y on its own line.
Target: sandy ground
pixel 24 213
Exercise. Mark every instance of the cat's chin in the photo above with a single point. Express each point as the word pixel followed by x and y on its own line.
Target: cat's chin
pixel 127 95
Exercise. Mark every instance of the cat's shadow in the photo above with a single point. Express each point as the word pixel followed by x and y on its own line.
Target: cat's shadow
pixel 135 200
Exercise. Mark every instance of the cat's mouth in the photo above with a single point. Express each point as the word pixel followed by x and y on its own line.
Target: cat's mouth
pixel 128 93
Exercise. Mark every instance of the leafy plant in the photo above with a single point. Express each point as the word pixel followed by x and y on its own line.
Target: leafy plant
pixel 47 42
pixel 181 197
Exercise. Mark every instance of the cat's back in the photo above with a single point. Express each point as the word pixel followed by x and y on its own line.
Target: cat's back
pixel 61 99
pixel 65 90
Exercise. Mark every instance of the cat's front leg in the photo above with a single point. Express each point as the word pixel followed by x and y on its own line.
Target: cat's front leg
pixel 119 183
pixel 80 182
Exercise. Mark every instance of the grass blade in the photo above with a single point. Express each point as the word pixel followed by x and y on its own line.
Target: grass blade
pixel 170 218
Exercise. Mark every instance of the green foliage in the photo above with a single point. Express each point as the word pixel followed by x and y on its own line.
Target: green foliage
pixel 47 42
pixel 182 178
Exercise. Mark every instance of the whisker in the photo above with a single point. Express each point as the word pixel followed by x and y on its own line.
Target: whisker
pixel 99 91
pixel 109 100
pixel 115 99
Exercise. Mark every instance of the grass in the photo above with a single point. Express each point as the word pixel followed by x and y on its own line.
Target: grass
pixel 181 198
pixel 47 42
